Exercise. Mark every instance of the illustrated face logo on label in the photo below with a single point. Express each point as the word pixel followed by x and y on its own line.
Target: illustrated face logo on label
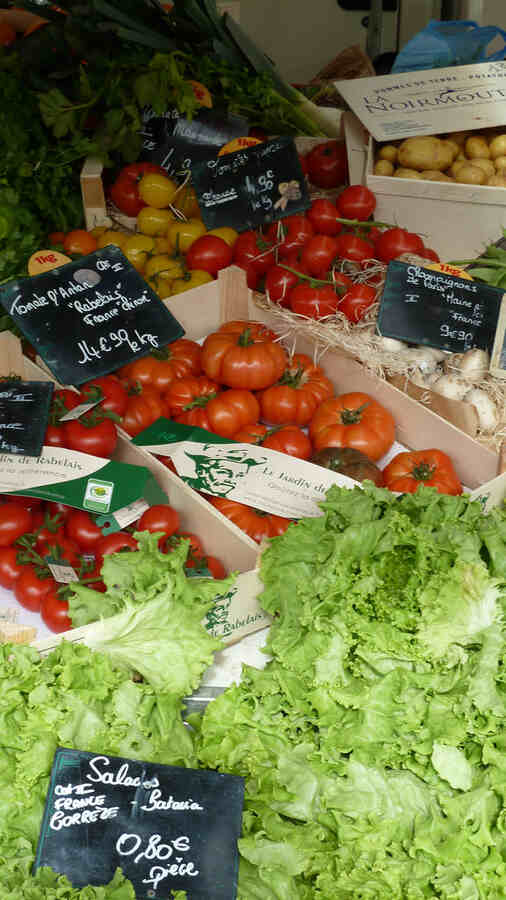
pixel 218 474
pixel 219 614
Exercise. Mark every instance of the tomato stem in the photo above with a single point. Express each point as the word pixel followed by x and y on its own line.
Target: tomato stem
pixel 339 288
pixel 423 471
pixel 353 416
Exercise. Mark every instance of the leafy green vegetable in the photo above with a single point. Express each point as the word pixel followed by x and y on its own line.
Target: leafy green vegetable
pixel 373 742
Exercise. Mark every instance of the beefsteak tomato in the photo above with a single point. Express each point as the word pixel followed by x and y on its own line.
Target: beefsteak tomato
pixel 254 522
pixel 353 420
pixel 243 355
pixel 432 468
pixel 297 395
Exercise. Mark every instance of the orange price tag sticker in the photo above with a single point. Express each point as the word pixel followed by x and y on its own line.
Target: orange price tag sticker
pixel 240 143
pixel 45 260
pixel 447 269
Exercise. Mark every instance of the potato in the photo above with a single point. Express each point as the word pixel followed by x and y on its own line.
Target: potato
pixel 469 174
pixel 452 148
pixel 388 152
pixel 477 148
pixel 498 146
pixel 498 180
pixel 434 175
pixel 422 153
pixel 459 137
pixel 486 164
pixel 454 168
pixel 407 173
pixel 500 163
pixel 383 167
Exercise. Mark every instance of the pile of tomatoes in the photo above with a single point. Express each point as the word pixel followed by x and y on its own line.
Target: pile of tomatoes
pixel 325 262
pixel 34 532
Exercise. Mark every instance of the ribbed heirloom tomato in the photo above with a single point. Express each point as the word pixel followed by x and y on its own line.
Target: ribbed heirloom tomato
pixel 243 355
pixel 289 439
pixel 159 370
pixel 142 410
pixel 189 393
pixel 432 468
pixel 225 413
pixel 297 395
pixel 254 522
pixel 353 420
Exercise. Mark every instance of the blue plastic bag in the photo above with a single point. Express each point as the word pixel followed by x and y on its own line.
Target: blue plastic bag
pixel 443 44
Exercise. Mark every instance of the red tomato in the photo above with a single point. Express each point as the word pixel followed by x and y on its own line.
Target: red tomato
pixel 430 254
pixel 253 253
pixel 10 569
pixel 15 520
pixel 51 531
pixel 195 550
pixel 327 164
pixel 63 400
pixel 54 611
pixel 160 517
pixel 356 202
pixel 357 301
pixel 290 233
pixel 224 414
pixel 93 579
pixel 396 241
pixel 79 242
pixel 432 468
pixel 243 355
pixel 289 439
pixel 187 393
pixel 98 439
pixel 55 436
pixel 255 523
pixel 303 163
pixel 59 510
pixel 319 253
pixel 30 590
pixel 297 395
pixel 323 217
pixel 353 420
pixel 28 502
pixel 114 543
pixel 109 388
pixel 63 550
pixel 213 565
pixel 125 190
pixel 143 409
pixel 279 282
pixel 313 302
pixel 209 254
pixel 354 248
pixel 81 528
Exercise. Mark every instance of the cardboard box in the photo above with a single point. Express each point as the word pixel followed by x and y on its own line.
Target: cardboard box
pixel 456 220
pixel 203 309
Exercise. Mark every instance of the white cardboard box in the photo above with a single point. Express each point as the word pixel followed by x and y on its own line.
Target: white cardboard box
pixel 456 220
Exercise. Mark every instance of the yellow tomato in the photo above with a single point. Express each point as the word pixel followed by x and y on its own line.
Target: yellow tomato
pixel 98 231
pixel 154 221
pixel 157 190
pixel 186 202
pixel 118 238
pixel 229 235
pixel 193 278
pixel 181 235
pixel 164 265
pixel 137 249
pixel 164 287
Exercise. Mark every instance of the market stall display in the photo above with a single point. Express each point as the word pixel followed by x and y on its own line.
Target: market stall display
pixel 263 405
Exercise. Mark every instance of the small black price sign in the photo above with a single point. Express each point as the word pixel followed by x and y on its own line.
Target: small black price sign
pixel 91 316
pixel 425 306
pixel 251 187
pixel 168 828
pixel 24 413
pixel 176 143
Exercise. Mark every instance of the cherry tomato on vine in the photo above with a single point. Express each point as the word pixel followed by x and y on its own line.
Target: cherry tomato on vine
pixel 290 233
pixel 354 248
pixel 81 528
pixel 10 569
pixel 430 254
pixel 323 216
pixel 314 302
pixel 253 253
pixel 279 281
pixel 115 397
pixel 15 520
pixel 209 254
pixel 318 254
pixel 84 435
pixel 396 241
pixel 114 543
pixel 357 301
pixel 62 549
pixel 54 611
pixel 30 589
pixel 160 517
pixel 356 202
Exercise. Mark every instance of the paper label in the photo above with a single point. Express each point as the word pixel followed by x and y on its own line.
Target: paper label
pixel 98 495
pixel 78 411
pixel 53 466
pixel 238 612
pixel 62 573
pixel 491 494
pixel 130 513
pixel 431 101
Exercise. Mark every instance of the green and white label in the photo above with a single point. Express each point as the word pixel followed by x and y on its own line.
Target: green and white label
pixel 98 495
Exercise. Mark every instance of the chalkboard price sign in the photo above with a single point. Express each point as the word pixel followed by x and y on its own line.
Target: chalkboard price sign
pixel 176 143
pixel 251 187
pixel 90 316
pixel 423 306
pixel 168 828
pixel 24 413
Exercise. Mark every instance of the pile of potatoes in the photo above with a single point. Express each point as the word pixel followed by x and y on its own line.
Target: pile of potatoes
pixel 466 157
